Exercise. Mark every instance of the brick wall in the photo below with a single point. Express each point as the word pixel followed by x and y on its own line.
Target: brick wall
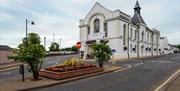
pixel 3 56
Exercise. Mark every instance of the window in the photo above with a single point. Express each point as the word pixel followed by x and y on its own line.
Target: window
pixel 131 36
pixel 106 29
pixel 135 48
pixel 131 48
pixel 96 25
pixel 135 34
pixel 142 49
pixel 148 38
pixel 142 35
pixel 124 34
pixel 88 30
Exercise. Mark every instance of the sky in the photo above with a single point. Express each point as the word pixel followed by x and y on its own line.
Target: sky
pixel 61 17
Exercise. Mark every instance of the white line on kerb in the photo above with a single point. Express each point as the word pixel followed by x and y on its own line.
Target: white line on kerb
pixel 139 64
pixel 158 89
pixel 129 66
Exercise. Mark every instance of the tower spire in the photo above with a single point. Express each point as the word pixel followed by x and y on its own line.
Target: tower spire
pixel 137 7
pixel 137 18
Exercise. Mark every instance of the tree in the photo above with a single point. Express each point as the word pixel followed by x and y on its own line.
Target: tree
pixel 54 47
pixel 31 52
pixel 178 46
pixel 74 48
pixel 102 52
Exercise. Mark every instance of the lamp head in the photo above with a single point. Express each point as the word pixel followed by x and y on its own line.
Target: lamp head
pixel 32 23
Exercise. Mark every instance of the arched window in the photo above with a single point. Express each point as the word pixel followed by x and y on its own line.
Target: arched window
pixel 142 35
pixel 124 34
pixel 96 25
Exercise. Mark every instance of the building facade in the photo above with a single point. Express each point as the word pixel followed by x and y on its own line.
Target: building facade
pixel 5 51
pixel 128 36
pixel 165 49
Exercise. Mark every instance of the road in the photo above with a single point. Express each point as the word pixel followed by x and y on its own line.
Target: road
pixel 48 61
pixel 142 75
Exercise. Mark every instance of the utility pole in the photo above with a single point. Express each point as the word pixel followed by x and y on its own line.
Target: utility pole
pixel 22 66
pixel 128 42
pixel 53 37
pixel 138 41
pixel 45 42
pixel 60 43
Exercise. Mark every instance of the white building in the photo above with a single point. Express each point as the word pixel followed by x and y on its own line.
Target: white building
pixel 165 49
pixel 128 36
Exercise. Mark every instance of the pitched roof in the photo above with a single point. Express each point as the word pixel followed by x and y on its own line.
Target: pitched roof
pixel 5 47
pixel 137 18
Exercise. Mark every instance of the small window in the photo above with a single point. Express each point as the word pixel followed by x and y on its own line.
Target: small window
pixel 125 48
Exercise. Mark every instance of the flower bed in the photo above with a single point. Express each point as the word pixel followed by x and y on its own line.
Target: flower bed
pixel 70 68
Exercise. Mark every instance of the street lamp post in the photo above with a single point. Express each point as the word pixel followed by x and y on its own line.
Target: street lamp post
pixel 22 66
pixel 45 42
pixel 60 43
pixel 32 23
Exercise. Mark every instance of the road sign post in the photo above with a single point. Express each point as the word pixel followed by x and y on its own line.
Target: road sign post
pixel 78 45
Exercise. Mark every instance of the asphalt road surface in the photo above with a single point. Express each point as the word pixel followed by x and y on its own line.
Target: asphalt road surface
pixel 141 75
pixel 48 61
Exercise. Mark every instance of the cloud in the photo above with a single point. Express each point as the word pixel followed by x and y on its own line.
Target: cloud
pixel 62 18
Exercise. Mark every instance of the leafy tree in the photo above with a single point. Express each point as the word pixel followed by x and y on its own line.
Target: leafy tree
pixel 54 47
pixel 31 52
pixel 102 52
pixel 66 49
pixel 178 46
pixel 74 48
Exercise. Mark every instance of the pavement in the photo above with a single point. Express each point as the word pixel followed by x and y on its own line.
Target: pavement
pixel 175 85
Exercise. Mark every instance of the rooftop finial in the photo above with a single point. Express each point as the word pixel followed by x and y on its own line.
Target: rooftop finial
pixel 137 5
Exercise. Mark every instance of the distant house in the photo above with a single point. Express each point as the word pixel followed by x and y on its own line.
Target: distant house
pixel 173 48
pixel 164 46
pixel 5 51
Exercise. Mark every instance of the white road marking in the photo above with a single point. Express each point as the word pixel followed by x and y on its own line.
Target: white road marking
pixel 5 73
pixel 129 66
pixel 158 89
pixel 11 68
pixel 139 64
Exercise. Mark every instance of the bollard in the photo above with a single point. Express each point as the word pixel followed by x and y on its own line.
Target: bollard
pixel 21 71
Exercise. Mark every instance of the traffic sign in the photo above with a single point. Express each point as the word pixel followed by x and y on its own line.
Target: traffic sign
pixel 78 45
